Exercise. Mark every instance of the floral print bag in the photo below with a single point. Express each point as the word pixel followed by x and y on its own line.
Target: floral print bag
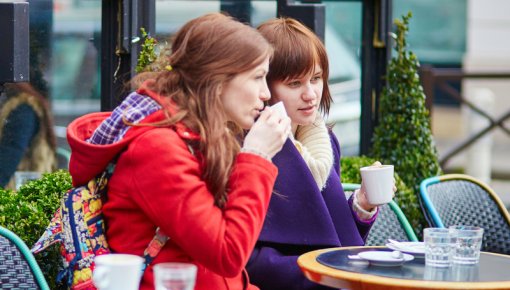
pixel 79 227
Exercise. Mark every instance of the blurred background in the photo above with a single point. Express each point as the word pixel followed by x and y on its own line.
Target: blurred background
pixel 463 46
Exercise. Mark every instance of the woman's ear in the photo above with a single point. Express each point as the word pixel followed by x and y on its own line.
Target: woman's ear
pixel 219 90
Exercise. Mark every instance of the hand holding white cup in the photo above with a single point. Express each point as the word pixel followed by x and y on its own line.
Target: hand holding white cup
pixel 378 183
pixel 280 109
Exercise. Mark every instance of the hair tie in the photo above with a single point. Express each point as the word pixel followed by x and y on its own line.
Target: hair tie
pixel 168 68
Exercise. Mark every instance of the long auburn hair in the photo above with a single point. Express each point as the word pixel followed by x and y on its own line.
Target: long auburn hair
pixel 208 52
pixel 297 50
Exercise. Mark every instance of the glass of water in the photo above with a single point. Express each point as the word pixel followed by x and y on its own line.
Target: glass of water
pixel 439 246
pixel 175 276
pixel 468 245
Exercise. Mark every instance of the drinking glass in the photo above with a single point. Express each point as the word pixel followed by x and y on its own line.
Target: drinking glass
pixel 175 276
pixel 465 273
pixel 468 245
pixel 439 245
pixel 437 273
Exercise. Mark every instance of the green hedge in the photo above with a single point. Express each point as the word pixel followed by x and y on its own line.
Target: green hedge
pixel 27 213
pixel 403 136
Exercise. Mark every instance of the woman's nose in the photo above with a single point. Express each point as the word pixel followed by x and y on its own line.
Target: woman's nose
pixel 265 93
pixel 308 93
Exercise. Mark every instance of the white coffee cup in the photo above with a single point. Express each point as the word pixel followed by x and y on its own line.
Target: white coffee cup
pixel 280 109
pixel 378 183
pixel 117 272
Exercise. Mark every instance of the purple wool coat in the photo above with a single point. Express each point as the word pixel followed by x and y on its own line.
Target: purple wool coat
pixel 301 218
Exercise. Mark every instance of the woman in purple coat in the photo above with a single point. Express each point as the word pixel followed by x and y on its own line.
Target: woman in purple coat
pixel 309 209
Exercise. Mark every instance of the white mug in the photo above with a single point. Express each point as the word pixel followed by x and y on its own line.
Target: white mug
pixel 378 182
pixel 117 272
pixel 280 109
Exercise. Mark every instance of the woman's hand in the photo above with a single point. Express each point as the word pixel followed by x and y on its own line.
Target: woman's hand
pixel 268 134
pixel 362 198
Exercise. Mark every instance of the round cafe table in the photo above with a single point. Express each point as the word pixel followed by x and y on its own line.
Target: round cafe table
pixel 332 267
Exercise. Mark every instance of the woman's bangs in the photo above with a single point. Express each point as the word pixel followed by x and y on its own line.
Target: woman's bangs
pixel 299 60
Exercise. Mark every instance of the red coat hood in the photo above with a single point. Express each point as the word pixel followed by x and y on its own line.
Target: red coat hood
pixel 88 160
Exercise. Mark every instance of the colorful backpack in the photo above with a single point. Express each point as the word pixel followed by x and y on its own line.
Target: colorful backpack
pixel 78 226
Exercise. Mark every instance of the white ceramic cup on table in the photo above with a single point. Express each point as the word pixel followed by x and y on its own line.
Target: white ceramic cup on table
pixel 117 272
pixel 378 183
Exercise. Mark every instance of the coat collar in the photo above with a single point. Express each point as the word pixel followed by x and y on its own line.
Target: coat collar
pixel 300 214
pixel 183 131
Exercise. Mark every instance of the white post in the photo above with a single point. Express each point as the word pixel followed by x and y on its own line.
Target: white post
pixel 478 155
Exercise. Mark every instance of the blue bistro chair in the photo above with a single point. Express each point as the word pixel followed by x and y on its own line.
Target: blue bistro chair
pixel 63 157
pixel 18 267
pixel 458 199
pixel 391 223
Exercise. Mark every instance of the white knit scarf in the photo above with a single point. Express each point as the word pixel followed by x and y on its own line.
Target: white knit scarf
pixel 314 144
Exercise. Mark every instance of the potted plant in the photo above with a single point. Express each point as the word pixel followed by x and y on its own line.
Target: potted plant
pixel 403 135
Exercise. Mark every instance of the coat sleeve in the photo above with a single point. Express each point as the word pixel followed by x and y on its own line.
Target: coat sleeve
pixel 363 226
pixel 19 129
pixel 269 269
pixel 167 185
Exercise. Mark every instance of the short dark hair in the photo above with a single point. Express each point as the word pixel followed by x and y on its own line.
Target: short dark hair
pixel 297 50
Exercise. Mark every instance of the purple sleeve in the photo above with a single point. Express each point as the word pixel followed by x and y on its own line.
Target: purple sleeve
pixel 269 269
pixel 363 225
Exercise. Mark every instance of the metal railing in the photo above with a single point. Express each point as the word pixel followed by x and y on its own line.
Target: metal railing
pixel 432 78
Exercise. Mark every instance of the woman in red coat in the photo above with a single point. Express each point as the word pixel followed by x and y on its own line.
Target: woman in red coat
pixel 180 164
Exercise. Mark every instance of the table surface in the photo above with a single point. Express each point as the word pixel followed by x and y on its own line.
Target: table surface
pixel 334 269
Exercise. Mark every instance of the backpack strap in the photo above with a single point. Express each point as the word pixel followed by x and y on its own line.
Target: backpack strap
pixel 156 244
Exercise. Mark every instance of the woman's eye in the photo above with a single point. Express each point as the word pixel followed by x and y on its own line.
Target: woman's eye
pixel 293 84
pixel 316 78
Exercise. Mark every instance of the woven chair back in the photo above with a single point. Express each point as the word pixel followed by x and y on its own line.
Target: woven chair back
pixel 386 226
pixel 18 268
pixel 462 200
pixel 391 223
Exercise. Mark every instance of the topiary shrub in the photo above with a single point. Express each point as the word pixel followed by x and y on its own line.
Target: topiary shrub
pixel 403 136
pixel 27 213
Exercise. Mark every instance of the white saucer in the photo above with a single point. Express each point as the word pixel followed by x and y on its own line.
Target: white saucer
pixel 384 258
pixel 416 249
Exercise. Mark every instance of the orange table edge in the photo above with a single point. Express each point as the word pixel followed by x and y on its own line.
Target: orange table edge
pixel 328 276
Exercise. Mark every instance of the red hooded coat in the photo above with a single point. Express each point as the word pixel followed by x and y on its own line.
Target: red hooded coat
pixel 157 182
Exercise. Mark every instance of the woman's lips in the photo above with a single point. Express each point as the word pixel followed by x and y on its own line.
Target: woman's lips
pixel 308 110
